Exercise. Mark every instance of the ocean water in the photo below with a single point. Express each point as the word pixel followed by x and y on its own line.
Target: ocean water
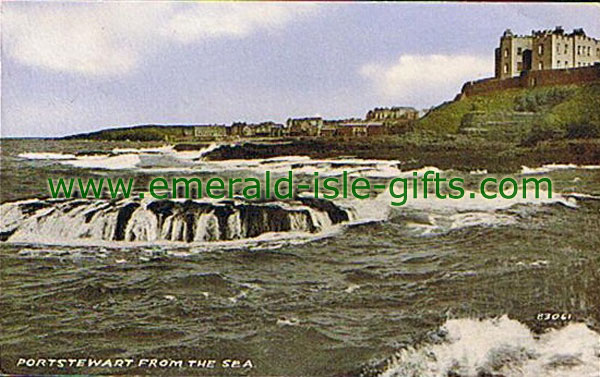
pixel 349 288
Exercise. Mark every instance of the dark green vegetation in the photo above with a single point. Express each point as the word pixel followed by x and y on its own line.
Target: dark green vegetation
pixel 524 116
pixel 137 133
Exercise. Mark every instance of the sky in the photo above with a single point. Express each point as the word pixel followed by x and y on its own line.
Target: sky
pixel 70 67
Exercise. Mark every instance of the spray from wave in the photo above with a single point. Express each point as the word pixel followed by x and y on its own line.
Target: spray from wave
pixel 500 347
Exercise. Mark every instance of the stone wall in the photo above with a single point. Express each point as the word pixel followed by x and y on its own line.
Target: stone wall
pixel 532 79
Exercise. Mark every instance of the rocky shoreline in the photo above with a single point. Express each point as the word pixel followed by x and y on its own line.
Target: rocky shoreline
pixel 471 154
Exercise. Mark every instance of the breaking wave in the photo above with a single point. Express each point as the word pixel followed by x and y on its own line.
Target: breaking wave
pixel 500 347
pixel 434 216
pixel 126 158
pixel 135 221
pixel 167 158
pixel 163 221
pixel 142 221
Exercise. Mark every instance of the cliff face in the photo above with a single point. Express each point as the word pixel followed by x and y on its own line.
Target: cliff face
pixel 522 115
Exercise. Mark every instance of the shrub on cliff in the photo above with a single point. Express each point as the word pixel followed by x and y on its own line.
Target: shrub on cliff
pixel 548 127
pixel 538 99
pixel 583 130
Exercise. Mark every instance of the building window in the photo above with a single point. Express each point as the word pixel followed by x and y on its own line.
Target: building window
pixel 558 63
pixel 589 50
pixel 506 53
pixel 566 64
pixel 505 68
pixel 578 50
pixel 540 66
pixel 541 49
pixel 598 52
pixel 519 51
pixel 558 48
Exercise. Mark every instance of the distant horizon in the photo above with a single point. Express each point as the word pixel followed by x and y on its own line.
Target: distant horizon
pixel 74 68
pixel 139 125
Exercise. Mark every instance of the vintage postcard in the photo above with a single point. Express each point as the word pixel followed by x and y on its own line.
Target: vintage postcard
pixel 300 189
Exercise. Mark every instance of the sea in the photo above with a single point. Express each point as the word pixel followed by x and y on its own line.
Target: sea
pixel 301 287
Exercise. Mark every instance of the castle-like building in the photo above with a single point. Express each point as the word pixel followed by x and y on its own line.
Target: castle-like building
pixel 543 50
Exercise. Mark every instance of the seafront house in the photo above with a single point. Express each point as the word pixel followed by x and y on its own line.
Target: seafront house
pixel 392 113
pixel 360 128
pixel 263 129
pixel 210 131
pixel 304 126
pixel 395 120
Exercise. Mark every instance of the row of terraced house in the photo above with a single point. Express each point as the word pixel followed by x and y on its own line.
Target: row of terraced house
pixel 379 121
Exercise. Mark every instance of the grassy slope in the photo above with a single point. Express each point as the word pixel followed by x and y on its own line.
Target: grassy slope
pixel 447 117
pixel 553 108
pixel 583 107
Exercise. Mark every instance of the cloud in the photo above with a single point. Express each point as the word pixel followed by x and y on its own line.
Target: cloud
pixel 425 80
pixel 109 39
pixel 89 40
pixel 216 20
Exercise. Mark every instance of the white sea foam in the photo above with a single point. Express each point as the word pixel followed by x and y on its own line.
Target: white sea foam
pixel 444 214
pixel 73 222
pixel 479 203
pixel 470 348
pixel 162 149
pixel 123 161
pixel 351 288
pixel 128 158
pixel 166 158
pixel 552 167
pixel 49 225
pixel 11 215
pixel 478 172
pixel 47 156
pixel 288 321
pixel 445 222
pixel 580 196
